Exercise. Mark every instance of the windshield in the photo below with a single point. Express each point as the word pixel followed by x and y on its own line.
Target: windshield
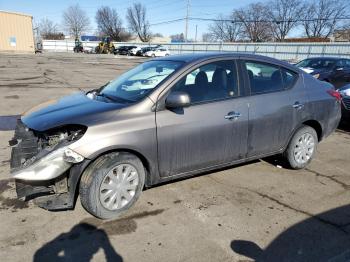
pixel 317 63
pixel 135 84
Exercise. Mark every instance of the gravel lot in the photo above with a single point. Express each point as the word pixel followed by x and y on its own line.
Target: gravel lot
pixel 257 211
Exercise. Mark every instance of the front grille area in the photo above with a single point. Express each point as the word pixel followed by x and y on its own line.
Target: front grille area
pixel 25 146
pixel 346 102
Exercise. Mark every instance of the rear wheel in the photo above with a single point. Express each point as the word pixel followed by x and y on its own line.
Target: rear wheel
pixel 112 184
pixel 301 148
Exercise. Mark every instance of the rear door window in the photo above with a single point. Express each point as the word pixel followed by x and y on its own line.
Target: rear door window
pixel 265 78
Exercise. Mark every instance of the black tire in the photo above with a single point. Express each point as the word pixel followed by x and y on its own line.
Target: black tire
pixel 289 154
pixel 94 175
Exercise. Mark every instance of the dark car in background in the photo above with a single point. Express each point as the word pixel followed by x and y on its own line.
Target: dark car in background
pixel 330 69
pixel 143 50
pixel 166 119
pixel 146 49
pixel 124 50
pixel 345 94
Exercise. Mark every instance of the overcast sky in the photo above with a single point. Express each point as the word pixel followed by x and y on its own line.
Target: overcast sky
pixel 157 11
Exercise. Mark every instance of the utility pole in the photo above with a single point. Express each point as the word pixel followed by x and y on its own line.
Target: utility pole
pixel 186 19
pixel 195 38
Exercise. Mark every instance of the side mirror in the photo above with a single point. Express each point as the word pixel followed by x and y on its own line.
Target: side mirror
pixel 177 100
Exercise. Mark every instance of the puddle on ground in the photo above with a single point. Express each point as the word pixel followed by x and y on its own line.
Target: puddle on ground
pixel 12 97
pixel 10 203
pixel 8 123
pixel 4 185
pixel 120 226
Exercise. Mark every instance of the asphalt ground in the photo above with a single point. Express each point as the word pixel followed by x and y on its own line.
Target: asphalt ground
pixel 259 211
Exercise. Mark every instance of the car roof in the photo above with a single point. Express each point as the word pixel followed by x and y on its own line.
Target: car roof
pixel 325 58
pixel 198 57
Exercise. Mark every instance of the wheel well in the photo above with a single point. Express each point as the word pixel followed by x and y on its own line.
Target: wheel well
pixel 143 159
pixel 315 125
pixel 140 156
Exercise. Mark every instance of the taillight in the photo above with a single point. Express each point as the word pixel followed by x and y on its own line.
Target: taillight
pixel 335 94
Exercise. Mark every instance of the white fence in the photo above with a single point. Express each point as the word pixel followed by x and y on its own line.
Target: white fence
pixel 284 51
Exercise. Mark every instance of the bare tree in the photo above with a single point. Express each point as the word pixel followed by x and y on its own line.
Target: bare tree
pixel 207 37
pixel 178 38
pixel 321 17
pixel 157 35
pixel 136 17
pixel 341 35
pixel 125 36
pixel 225 29
pixel 47 27
pixel 284 14
pixel 49 30
pixel 110 24
pixel 256 27
pixel 75 20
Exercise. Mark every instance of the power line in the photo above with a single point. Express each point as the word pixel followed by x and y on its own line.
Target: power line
pixel 268 21
pixel 168 22
pixel 232 21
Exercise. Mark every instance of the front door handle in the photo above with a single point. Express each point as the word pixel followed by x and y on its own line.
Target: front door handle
pixel 298 105
pixel 232 115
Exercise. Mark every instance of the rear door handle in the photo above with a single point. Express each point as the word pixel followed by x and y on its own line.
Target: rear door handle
pixel 298 105
pixel 232 115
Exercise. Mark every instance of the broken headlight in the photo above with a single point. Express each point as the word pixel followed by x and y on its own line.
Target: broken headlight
pixel 50 166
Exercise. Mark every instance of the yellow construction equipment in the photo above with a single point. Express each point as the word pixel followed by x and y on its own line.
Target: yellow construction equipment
pixel 105 46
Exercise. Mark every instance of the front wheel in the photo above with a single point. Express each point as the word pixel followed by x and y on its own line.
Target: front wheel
pixel 301 148
pixel 112 184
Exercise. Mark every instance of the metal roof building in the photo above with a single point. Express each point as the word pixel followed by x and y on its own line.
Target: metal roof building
pixel 16 32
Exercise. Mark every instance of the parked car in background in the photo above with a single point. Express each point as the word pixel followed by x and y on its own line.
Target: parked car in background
pixel 333 70
pixel 124 50
pixel 166 119
pixel 345 93
pixel 134 50
pixel 157 52
pixel 143 50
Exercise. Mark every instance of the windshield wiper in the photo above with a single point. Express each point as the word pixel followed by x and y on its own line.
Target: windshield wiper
pixel 115 98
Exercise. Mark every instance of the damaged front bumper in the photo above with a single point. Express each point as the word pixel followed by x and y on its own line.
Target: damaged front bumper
pixel 48 175
pixel 55 194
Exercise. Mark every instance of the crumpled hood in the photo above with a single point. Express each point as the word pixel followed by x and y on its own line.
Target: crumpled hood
pixel 73 109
